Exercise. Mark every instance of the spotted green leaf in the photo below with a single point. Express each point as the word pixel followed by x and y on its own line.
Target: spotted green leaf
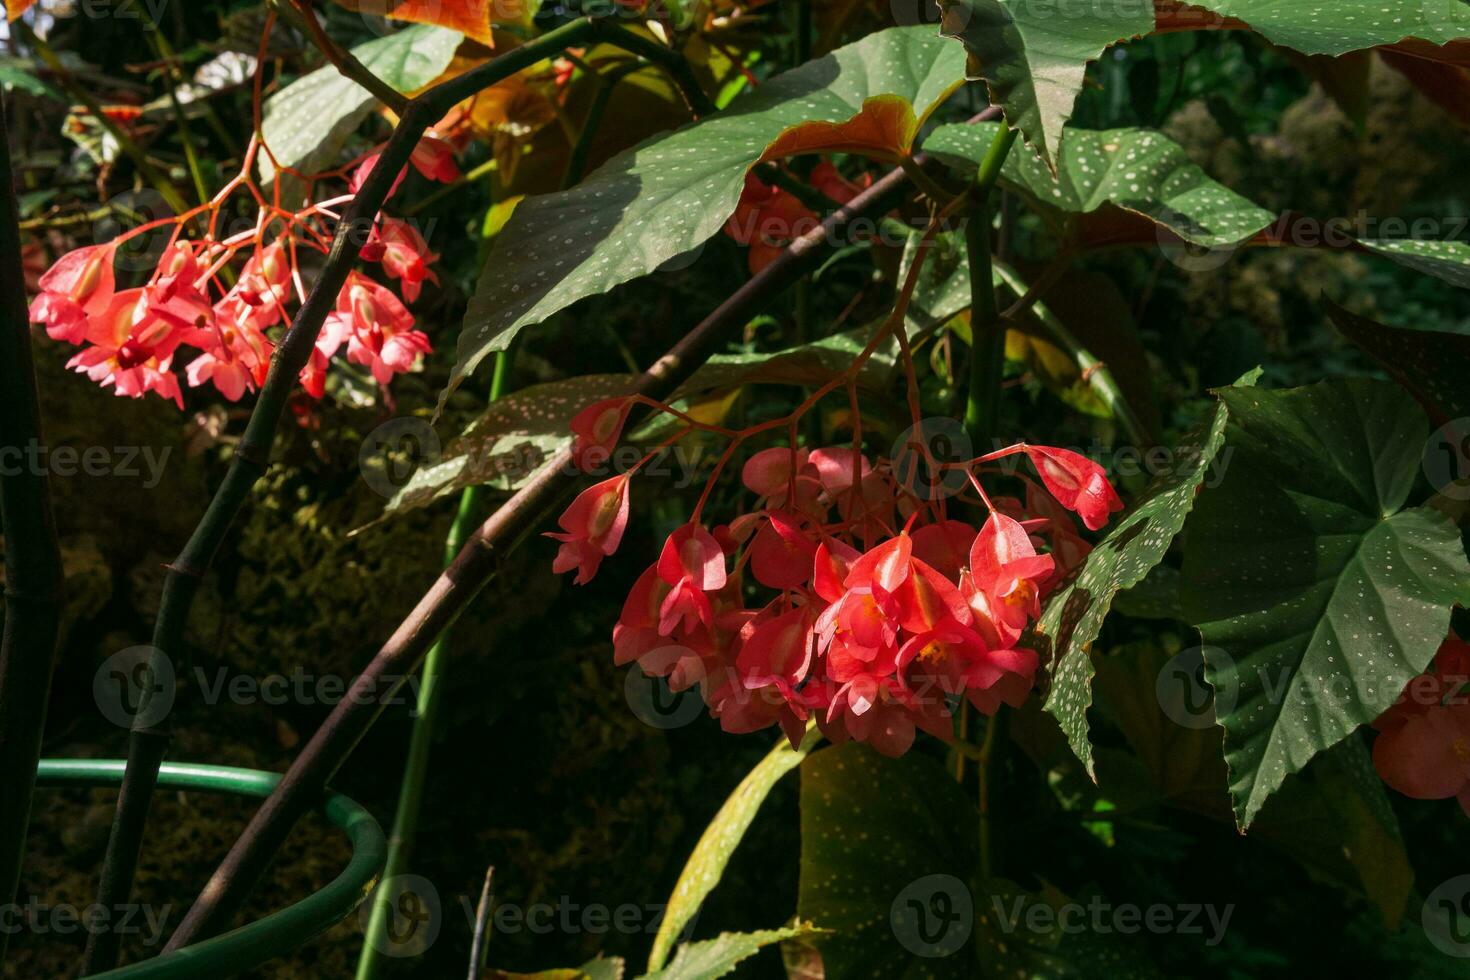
pixel 1317 592
pixel 307 122
pixel 1449 261
pixel 915 825
pixel 1336 27
pixel 1433 366
pixel 1138 171
pixel 1033 56
pixel 507 444
pixel 720 838
pixel 712 958
pixel 665 198
pixel 889 865
pixel 1074 614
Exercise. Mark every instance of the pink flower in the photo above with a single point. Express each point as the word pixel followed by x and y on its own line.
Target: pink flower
pixel 693 563
pixel 1077 482
pixel 76 288
pixel 378 329
pixel 592 528
pixel 134 360
pixel 596 430
pixel 432 157
pixel 173 295
pixel 1423 751
pixel 404 254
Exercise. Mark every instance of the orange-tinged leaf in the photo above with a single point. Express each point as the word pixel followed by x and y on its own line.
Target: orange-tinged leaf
pixel 14 8
pixel 884 129
pixel 471 18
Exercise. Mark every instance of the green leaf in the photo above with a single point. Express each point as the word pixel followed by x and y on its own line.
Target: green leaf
pixel 889 864
pixel 307 122
pixel 711 958
pixel 1320 594
pixel 1449 261
pixel 871 830
pixel 1033 56
pixel 809 364
pixel 720 838
pixel 663 199
pixel 1432 365
pixel 1338 26
pixel 508 443
pixel 1074 615
pixel 1138 171
pixel 18 73
pixel 601 968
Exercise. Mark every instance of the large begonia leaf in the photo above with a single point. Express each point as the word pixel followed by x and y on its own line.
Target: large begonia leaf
pixel 664 198
pixel 1319 594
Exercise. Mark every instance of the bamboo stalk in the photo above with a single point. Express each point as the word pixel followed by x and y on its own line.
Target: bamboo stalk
pixel 33 574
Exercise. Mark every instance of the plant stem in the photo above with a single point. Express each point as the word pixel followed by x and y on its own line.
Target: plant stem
pixel 415 772
pixel 125 143
pixel 989 752
pixel 606 85
pixel 987 333
pixel 33 574
pixel 300 16
pixel 334 741
pixel 191 156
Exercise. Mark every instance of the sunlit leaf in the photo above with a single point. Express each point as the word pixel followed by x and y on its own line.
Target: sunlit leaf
pixel 667 197
pixel 472 18
pixel 307 122
pixel 1317 592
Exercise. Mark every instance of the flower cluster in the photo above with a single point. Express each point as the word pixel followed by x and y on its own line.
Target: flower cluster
pixel 1423 744
pixel 872 612
pixel 223 295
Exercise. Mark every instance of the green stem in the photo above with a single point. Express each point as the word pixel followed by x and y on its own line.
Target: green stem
pixel 415 772
pixel 987 333
pixel 989 753
pixel 606 85
pixel 146 169
pixel 196 173
pixel 33 574
pixel 468 177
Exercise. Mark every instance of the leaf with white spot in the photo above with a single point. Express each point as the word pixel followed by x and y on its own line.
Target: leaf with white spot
pixel 709 959
pixel 1449 261
pixel 1318 595
pixel 889 865
pixel 507 444
pixel 661 200
pixel 720 838
pixel 1432 365
pixel 1074 614
pixel 1130 183
pixel 1331 27
pixel 1033 56
pixel 307 122
pixel 871 827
